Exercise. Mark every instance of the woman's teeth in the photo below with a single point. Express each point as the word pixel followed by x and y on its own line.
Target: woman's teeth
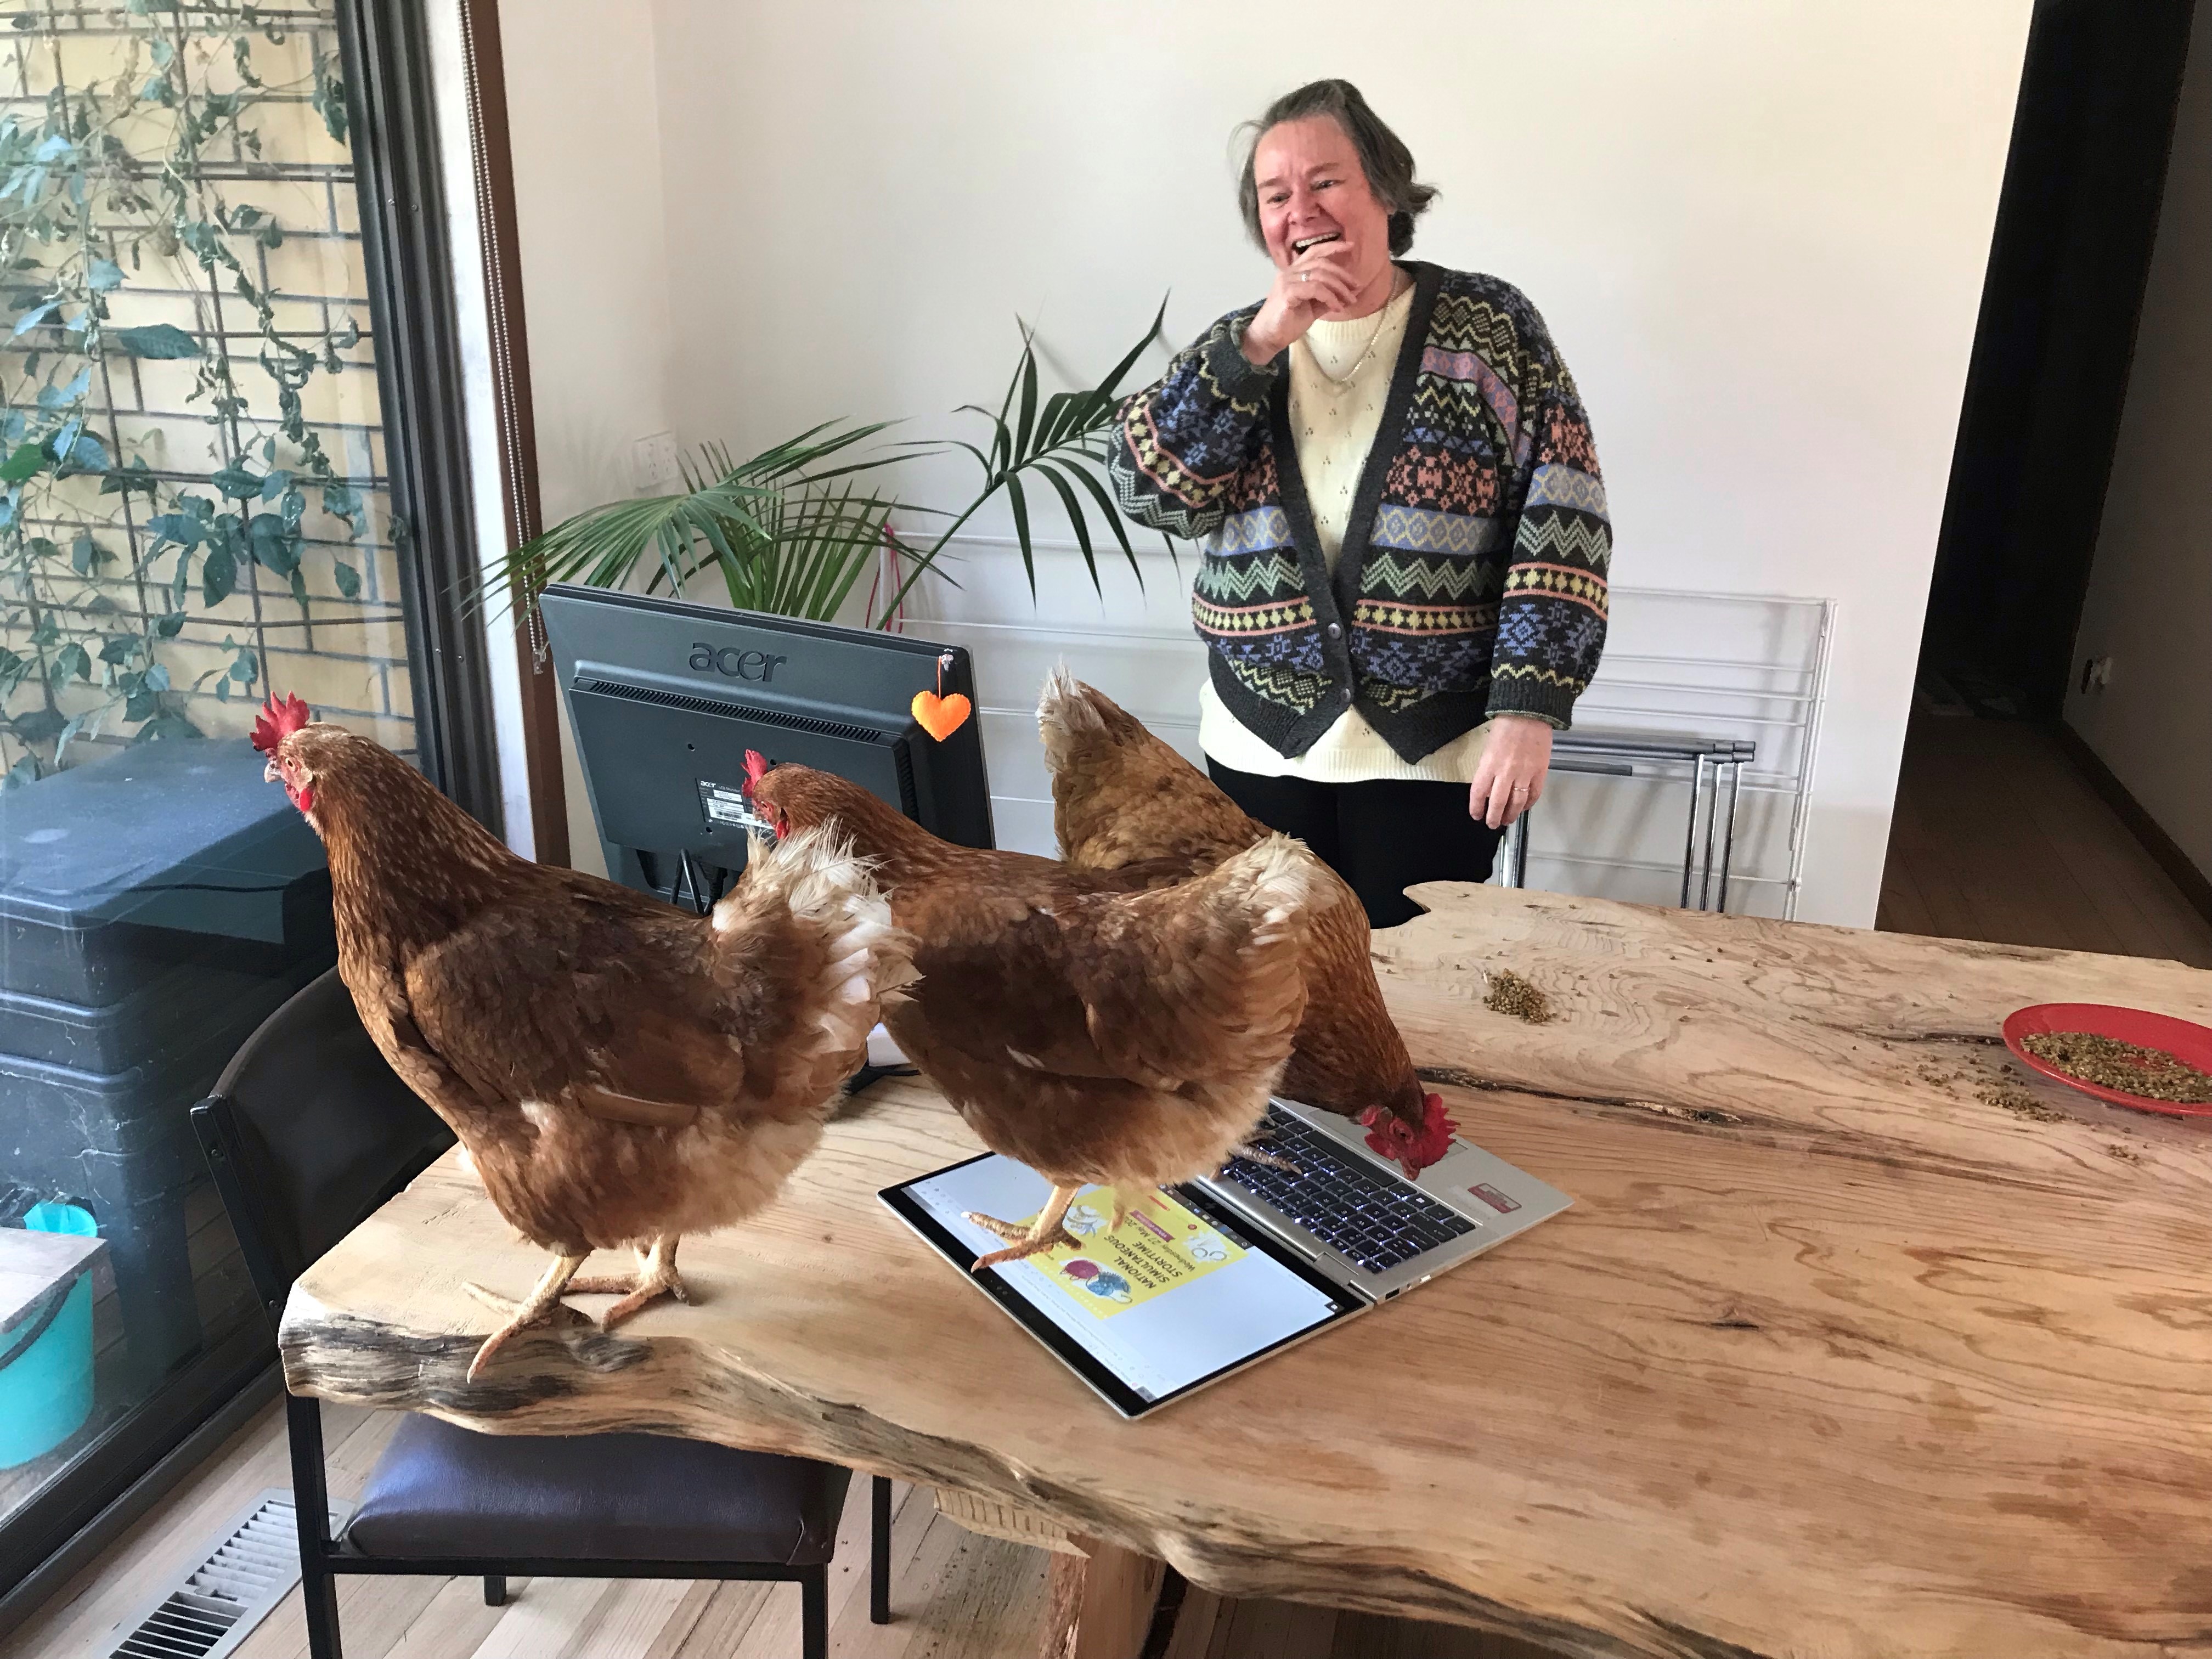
pixel 1304 243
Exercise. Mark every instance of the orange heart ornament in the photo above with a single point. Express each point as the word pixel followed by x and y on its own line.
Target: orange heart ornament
pixel 940 716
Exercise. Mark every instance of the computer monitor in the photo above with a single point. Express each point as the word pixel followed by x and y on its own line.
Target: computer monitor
pixel 666 697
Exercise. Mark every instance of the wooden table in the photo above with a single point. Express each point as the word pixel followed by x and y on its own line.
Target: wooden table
pixel 1831 1356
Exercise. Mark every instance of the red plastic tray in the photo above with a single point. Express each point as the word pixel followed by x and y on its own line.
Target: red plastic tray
pixel 2187 1042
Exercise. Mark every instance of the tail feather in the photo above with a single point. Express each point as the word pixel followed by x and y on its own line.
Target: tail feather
pixel 830 893
pixel 1067 716
pixel 1281 874
pixel 1120 793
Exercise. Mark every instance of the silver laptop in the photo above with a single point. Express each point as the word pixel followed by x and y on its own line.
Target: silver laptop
pixel 1199 1282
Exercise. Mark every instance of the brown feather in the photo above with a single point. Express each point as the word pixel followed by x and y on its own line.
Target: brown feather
pixel 619 1070
pixel 1095 1032
pixel 1127 804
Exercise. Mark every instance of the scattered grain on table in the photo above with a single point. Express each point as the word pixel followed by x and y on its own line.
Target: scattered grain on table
pixel 1509 993
pixel 2151 1072
pixel 2017 1101
pixel 2125 1154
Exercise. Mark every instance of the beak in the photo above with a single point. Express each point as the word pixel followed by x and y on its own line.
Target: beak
pixel 270 774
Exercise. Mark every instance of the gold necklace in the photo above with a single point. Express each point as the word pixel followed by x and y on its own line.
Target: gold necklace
pixel 1381 315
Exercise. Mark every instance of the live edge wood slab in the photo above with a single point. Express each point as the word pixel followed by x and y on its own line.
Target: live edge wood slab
pixel 1831 1356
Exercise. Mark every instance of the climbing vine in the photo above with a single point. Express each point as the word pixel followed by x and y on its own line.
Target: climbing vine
pixel 163 488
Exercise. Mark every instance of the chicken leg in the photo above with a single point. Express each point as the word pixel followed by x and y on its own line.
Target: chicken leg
pixel 538 1308
pixel 1041 1235
pixel 656 1277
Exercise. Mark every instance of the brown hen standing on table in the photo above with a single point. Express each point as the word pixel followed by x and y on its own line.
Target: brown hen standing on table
pixel 1099 1035
pixel 619 1071
pixel 1124 803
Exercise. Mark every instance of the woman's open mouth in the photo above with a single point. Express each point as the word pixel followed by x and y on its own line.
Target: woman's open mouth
pixel 1305 242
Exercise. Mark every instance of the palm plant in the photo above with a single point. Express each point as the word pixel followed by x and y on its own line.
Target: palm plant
pixel 1061 442
pixel 789 530
pixel 792 530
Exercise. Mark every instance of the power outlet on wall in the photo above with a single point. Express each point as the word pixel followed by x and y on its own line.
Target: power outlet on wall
pixel 2096 674
pixel 653 465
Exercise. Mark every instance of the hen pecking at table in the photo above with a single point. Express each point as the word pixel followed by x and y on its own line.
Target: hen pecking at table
pixel 618 1071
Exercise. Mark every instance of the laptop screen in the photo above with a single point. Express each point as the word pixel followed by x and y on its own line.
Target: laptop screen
pixel 1179 1294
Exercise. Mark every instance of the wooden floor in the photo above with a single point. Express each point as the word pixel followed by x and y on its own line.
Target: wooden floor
pixel 954 1594
pixel 1998 837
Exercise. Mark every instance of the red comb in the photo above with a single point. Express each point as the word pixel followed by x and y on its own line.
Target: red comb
pixel 755 768
pixel 1414 1150
pixel 279 721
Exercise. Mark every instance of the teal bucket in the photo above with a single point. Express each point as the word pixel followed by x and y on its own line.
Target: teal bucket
pixel 45 1362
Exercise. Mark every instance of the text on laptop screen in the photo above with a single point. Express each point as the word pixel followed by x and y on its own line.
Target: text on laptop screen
pixel 1167 1299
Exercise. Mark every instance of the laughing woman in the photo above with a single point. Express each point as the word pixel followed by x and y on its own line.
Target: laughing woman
pixel 1405 542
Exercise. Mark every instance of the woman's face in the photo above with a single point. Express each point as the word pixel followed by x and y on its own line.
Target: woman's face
pixel 1312 189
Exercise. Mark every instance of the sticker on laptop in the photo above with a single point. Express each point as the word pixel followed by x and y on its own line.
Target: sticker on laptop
pixel 1496 1201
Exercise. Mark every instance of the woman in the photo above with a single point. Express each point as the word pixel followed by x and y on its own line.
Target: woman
pixel 1404 582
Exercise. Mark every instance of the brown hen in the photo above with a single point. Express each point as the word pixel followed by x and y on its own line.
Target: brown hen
pixel 619 1071
pixel 1102 1037
pixel 1126 804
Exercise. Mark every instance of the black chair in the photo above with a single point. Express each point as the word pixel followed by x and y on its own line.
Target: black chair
pixel 308 1131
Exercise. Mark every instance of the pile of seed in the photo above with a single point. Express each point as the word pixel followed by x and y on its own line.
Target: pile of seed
pixel 2019 1103
pixel 1509 993
pixel 2151 1072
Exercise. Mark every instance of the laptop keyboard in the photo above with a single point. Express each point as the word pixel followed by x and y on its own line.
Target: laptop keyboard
pixel 1349 1205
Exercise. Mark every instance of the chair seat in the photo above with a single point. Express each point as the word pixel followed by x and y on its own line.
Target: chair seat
pixel 452 1493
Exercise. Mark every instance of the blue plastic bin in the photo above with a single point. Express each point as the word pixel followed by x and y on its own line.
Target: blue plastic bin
pixel 46 1354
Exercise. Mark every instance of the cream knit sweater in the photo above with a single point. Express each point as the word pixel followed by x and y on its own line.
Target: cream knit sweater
pixel 1339 377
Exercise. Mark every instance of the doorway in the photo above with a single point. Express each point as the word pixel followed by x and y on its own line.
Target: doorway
pixel 2009 824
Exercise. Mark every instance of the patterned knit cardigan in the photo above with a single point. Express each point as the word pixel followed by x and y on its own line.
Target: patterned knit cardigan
pixel 1472 580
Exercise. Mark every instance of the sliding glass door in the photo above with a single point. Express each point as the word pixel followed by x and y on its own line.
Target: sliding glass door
pixel 205 496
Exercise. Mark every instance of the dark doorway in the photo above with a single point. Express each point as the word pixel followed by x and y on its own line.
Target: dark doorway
pixel 2076 227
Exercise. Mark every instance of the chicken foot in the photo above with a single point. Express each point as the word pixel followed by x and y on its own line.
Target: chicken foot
pixel 656 1277
pixel 1251 1152
pixel 1040 1235
pixel 538 1308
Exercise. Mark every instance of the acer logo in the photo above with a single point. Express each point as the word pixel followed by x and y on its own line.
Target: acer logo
pixel 738 664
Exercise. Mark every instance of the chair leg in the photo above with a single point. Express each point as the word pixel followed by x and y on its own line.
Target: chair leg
pixel 495 1589
pixel 814 1613
pixel 318 1586
pixel 318 1595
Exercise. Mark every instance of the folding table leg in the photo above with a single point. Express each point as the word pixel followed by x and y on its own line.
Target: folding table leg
pixel 879 1552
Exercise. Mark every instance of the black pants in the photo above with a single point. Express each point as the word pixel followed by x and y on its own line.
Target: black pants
pixel 1381 836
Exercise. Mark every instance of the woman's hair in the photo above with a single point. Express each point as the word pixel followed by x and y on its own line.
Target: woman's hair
pixel 1383 156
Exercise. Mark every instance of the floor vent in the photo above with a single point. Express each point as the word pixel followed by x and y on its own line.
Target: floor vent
pixel 217 1604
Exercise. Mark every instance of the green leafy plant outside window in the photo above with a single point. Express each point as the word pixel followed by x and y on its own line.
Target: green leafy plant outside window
pixel 180 349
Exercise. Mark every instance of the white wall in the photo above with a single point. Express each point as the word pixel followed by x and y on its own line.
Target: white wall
pixel 1757 230
pixel 582 112
pixel 2149 605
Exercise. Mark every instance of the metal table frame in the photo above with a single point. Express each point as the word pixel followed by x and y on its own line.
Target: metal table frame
pixel 1715 761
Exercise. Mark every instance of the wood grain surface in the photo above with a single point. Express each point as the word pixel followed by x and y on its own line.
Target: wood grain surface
pixel 1833 1356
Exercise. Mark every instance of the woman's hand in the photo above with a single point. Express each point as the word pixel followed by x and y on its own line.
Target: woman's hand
pixel 1509 778
pixel 1311 286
